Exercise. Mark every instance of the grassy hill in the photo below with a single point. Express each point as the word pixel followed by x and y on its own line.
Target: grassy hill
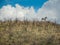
pixel 29 33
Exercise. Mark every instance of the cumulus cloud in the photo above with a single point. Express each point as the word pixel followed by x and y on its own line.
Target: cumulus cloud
pixel 50 9
pixel 9 12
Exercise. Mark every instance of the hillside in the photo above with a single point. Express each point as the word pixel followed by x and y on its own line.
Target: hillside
pixel 29 33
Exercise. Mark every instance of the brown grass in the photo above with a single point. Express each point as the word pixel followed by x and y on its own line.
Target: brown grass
pixel 29 33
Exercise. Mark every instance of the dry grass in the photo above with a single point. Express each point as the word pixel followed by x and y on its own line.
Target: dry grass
pixel 29 33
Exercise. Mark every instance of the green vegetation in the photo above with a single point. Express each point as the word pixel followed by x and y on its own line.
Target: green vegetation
pixel 29 33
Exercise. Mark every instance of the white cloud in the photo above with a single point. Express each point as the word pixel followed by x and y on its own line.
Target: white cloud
pixel 19 12
pixel 51 9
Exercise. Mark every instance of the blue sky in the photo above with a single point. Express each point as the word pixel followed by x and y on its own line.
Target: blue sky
pixel 27 3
